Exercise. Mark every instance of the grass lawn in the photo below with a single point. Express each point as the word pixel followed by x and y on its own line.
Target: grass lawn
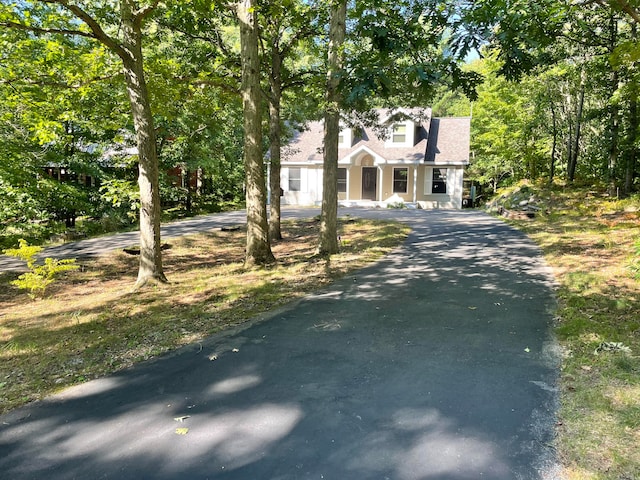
pixel 90 324
pixel 591 241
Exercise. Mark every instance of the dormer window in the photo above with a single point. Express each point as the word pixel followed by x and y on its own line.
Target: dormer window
pixel 399 133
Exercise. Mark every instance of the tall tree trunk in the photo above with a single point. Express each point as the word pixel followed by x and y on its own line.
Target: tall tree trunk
pixel 575 150
pixel 148 177
pixel 569 148
pixel 612 157
pixel 329 218
pixel 275 140
pixel 258 251
pixel 632 137
pixel 566 109
pixel 614 115
pixel 632 152
pixel 554 146
pixel 130 52
pixel 189 199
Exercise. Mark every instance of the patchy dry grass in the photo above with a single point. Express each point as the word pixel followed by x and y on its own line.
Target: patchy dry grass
pixel 589 241
pixel 90 323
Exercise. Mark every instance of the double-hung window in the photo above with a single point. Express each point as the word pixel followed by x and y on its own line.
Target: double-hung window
pixel 399 133
pixel 342 180
pixel 400 183
pixel 295 179
pixel 439 183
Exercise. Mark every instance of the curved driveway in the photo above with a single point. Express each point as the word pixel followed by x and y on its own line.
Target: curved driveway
pixel 435 363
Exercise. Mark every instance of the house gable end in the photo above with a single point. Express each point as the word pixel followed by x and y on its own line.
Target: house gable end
pixel 352 157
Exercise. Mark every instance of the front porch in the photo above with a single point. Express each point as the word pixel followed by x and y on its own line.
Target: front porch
pixel 364 177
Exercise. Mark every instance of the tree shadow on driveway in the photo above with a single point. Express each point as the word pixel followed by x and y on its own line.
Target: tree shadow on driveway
pixel 435 363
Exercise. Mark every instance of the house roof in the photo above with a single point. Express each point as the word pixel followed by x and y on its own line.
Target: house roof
pixel 305 146
pixel 449 140
pixel 439 140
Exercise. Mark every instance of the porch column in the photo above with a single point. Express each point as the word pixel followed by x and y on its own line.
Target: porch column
pixel 379 192
pixel 415 183
pixel 268 166
pixel 348 182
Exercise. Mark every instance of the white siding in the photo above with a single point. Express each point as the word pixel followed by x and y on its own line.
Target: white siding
pixel 310 187
pixel 451 199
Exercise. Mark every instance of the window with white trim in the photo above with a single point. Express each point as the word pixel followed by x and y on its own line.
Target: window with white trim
pixel 439 180
pixel 400 180
pixel 295 179
pixel 342 180
pixel 399 133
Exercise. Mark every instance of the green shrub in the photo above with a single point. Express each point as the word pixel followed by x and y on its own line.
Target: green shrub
pixel 39 277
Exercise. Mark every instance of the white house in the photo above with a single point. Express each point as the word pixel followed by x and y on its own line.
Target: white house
pixel 408 154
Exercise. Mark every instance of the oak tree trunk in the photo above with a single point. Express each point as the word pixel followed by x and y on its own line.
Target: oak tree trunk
pixel 258 251
pixel 329 217
pixel 129 50
pixel 150 267
pixel 275 98
pixel 612 157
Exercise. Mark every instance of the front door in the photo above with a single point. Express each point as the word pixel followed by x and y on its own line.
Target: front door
pixel 369 182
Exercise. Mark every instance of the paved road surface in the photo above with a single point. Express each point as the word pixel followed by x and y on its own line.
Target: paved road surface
pixel 93 247
pixel 435 363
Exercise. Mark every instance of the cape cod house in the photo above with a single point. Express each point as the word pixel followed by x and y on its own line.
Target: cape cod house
pixel 408 157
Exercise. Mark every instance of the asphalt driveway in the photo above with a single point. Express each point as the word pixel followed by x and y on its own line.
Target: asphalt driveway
pixel 435 363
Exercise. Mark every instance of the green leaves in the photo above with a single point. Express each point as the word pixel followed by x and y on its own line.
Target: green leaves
pixel 399 52
pixel 39 277
pixel 121 194
pixel 517 30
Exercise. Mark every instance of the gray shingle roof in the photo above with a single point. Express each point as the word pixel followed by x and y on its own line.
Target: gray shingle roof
pixel 305 146
pixel 440 140
pixel 449 140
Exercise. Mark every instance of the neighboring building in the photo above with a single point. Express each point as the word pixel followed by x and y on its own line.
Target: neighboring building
pixel 408 157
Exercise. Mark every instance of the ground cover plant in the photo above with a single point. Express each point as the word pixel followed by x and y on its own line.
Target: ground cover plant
pixel 90 324
pixel 590 239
